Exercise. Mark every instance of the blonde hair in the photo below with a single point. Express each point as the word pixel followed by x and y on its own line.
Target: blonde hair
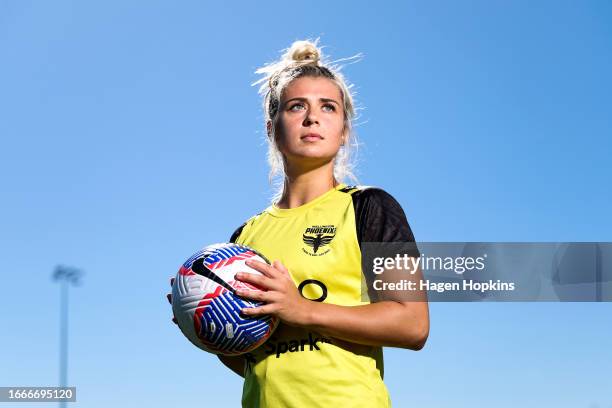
pixel 304 59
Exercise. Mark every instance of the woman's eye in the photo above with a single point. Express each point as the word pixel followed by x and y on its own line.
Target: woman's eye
pixel 296 107
pixel 329 107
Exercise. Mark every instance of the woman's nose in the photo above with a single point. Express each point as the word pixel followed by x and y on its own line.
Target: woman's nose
pixel 310 118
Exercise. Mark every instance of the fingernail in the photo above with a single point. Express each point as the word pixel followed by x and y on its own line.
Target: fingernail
pixel 239 275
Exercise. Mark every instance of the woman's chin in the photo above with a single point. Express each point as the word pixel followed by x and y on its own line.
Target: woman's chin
pixel 309 158
pixel 312 152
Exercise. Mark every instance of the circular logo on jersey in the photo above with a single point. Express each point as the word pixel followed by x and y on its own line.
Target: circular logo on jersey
pixel 315 282
pixel 316 238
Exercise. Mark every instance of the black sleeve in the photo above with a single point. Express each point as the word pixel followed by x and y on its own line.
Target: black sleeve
pixel 380 221
pixel 380 218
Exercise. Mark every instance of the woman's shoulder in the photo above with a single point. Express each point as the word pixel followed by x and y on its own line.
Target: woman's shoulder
pixel 371 196
pixel 378 215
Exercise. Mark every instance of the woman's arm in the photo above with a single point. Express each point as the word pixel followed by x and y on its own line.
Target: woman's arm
pixel 387 323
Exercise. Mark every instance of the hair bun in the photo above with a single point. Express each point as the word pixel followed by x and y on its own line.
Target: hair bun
pixel 303 52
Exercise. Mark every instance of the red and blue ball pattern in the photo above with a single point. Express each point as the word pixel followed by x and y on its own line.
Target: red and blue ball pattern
pixel 206 307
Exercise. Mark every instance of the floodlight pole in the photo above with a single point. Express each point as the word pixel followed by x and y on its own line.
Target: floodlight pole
pixel 65 275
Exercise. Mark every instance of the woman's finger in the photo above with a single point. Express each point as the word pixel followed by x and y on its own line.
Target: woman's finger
pixel 258 280
pixel 258 311
pixel 258 295
pixel 262 267
pixel 278 265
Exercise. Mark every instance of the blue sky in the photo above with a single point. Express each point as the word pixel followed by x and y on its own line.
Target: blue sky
pixel 130 137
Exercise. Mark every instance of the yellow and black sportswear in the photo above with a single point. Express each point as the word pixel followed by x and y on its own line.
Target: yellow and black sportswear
pixel 320 244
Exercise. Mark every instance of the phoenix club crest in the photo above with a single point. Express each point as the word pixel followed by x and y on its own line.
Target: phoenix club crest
pixel 317 237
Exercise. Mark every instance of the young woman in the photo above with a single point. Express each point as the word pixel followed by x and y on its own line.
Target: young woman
pixel 327 352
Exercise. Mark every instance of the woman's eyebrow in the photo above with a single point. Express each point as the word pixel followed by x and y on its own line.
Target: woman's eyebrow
pixel 301 99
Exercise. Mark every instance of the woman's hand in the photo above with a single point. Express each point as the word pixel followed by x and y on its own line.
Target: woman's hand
pixel 387 323
pixel 279 293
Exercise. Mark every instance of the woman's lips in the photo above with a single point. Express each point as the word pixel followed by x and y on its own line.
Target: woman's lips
pixel 312 137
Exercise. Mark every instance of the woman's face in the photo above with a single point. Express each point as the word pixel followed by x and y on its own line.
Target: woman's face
pixel 310 126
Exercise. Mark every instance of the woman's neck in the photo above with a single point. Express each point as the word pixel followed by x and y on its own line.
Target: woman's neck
pixel 303 187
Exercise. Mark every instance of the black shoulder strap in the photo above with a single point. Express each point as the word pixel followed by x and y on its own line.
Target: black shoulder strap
pixel 349 189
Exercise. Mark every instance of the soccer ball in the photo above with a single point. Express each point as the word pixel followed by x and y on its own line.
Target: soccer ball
pixel 206 307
